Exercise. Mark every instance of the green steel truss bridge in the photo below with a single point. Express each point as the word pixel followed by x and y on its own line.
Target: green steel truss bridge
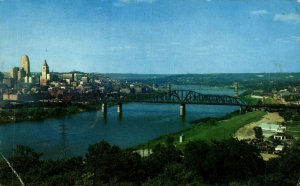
pixel 182 97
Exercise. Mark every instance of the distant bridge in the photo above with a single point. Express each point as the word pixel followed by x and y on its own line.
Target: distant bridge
pixel 276 107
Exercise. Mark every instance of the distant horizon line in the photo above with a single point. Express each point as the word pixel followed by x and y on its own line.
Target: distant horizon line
pixel 291 72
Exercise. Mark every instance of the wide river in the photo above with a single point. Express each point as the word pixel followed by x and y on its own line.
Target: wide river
pixel 140 122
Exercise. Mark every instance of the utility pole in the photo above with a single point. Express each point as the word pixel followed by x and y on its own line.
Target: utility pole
pixel 14 171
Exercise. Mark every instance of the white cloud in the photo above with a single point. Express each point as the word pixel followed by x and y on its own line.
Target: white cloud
pixel 175 43
pixel 124 2
pixel 118 4
pixel 259 12
pixel 282 40
pixel 121 48
pixel 99 8
pixel 295 38
pixel 208 47
pixel 291 17
pixel 162 49
pixel 287 40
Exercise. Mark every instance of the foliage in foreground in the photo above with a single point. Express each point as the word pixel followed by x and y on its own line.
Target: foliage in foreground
pixel 227 162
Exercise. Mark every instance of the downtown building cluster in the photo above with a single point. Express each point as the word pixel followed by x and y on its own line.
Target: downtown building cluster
pixel 21 85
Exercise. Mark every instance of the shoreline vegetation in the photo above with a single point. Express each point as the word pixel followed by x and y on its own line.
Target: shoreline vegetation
pixel 208 129
pixel 17 115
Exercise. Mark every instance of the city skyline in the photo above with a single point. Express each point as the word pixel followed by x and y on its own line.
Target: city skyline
pixel 152 36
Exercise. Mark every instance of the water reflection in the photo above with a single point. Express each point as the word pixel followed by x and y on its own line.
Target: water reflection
pixel 96 121
pixel 63 138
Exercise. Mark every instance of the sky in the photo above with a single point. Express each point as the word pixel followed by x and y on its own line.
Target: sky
pixel 152 36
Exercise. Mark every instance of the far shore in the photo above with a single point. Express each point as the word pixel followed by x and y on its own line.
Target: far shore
pixel 8 116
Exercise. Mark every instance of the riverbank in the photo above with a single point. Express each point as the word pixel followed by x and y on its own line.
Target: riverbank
pixel 247 132
pixel 216 129
pixel 41 113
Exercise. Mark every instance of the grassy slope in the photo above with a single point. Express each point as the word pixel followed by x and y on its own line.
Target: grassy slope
pixel 294 128
pixel 221 130
pixel 250 100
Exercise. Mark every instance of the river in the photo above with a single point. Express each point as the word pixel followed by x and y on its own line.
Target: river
pixel 140 122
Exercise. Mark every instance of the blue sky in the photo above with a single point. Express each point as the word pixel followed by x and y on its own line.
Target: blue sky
pixel 152 36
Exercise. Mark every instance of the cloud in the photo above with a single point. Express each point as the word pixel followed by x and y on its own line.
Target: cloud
pixel 282 40
pixel 291 17
pixel 208 47
pixel 259 12
pixel 287 40
pixel 125 2
pixel 295 38
pixel 162 49
pixel 98 8
pixel 121 48
pixel 207 50
pixel 175 43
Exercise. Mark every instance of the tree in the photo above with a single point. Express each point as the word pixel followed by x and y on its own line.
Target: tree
pixel 175 174
pixel 65 171
pixel 258 133
pixel 287 115
pixel 286 169
pixel 169 141
pixel 102 159
pixel 194 154
pixel 162 156
pixel 223 161
pixel 111 163
pixel 26 162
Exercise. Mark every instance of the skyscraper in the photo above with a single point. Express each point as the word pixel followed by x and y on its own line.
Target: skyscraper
pixel 45 70
pixel 236 89
pixel 25 64
pixel 45 78
pixel 21 74
pixel 14 73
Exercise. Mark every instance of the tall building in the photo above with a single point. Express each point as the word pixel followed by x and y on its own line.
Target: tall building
pixel 9 82
pixel 25 64
pixel 21 74
pixel 45 78
pixel 236 89
pixel 45 70
pixel 14 73
pixel 169 89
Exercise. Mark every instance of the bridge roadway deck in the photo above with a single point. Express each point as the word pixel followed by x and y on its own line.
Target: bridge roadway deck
pixel 179 97
pixel 192 97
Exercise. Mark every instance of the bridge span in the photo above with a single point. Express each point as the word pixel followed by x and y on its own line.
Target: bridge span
pixel 181 97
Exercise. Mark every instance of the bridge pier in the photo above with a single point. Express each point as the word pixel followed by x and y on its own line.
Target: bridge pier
pixel 182 110
pixel 168 89
pixel 120 110
pixel 104 108
pixel 243 110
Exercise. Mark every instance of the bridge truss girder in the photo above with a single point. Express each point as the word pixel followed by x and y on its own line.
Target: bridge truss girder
pixel 182 96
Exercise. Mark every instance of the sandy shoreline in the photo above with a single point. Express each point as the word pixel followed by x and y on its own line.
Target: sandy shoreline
pixel 247 131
